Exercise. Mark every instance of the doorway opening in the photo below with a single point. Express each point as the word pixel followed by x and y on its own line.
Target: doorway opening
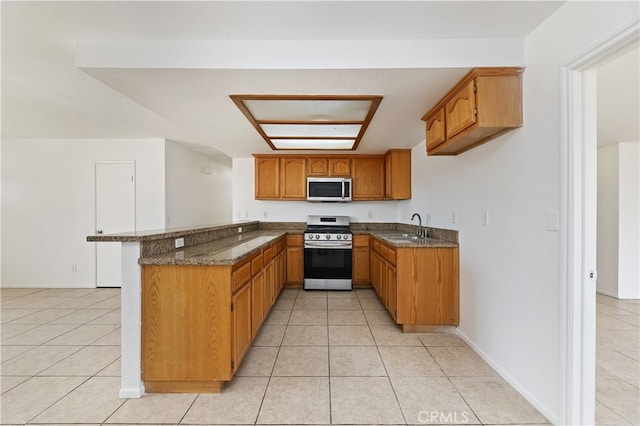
pixel 578 215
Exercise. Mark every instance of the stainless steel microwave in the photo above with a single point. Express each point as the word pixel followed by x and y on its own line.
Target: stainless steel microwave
pixel 329 189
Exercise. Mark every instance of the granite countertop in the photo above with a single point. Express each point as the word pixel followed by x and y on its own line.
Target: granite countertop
pixel 158 234
pixel 396 242
pixel 225 251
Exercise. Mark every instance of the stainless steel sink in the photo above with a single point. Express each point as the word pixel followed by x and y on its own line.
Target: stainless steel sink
pixel 403 237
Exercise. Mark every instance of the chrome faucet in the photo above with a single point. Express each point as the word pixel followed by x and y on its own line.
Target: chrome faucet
pixel 422 233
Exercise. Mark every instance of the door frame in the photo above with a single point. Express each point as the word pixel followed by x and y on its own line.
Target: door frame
pixel 578 221
pixel 95 209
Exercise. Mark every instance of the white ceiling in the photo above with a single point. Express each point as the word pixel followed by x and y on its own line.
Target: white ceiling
pixel 165 69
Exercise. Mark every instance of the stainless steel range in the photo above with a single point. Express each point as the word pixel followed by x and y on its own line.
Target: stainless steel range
pixel 327 253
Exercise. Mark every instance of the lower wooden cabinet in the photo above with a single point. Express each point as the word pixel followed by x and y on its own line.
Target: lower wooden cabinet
pixel 198 321
pixel 241 325
pixel 360 261
pixel 417 285
pixel 295 259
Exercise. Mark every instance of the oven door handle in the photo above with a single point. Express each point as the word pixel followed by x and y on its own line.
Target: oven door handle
pixel 313 244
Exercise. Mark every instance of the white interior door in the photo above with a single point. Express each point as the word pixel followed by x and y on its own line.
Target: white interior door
pixel 115 213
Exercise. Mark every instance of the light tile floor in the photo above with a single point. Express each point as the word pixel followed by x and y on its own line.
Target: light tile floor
pixel 320 358
pixel 617 361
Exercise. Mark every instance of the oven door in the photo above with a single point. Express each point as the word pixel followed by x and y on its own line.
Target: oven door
pixel 327 268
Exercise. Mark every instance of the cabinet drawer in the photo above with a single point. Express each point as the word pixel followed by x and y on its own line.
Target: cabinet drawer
pixel 361 241
pixel 376 246
pixel 240 276
pixel 256 264
pixel 268 255
pixel 391 256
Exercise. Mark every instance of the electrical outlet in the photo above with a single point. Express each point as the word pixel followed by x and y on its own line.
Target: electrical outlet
pixel 454 217
pixel 265 214
pixel 179 242
pixel 74 267
pixel 485 218
pixel 238 214
pixel 370 214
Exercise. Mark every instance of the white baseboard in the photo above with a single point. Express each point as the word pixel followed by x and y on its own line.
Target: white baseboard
pixel 48 285
pixel 607 293
pixel 514 383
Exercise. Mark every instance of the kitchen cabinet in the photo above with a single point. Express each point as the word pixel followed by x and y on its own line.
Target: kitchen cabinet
pixel 374 177
pixel 368 176
pixel 293 182
pixel 267 178
pixel 418 286
pixel 241 325
pixel 318 167
pixel 339 167
pixel 295 259
pixel 198 321
pixel 484 104
pixel 336 167
pixel 360 261
pixel 398 174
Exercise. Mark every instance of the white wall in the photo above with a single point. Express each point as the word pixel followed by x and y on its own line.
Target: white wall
pixel 629 222
pixel 608 212
pixel 246 207
pixel 198 189
pixel 510 292
pixel 619 220
pixel 48 206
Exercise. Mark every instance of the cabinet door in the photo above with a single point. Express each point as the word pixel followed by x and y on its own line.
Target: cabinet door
pixel 340 167
pixel 293 178
pixel 368 178
pixel 269 286
pixel 295 259
pixel 375 271
pixel 392 291
pixel 267 175
pixel 435 129
pixel 361 265
pixel 317 167
pixel 257 302
pixel 460 111
pixel 241 319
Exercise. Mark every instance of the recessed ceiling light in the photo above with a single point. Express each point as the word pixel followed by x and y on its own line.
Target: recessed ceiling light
pixel 335 122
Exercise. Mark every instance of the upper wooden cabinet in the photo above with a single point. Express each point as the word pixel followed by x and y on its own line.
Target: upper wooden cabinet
pixel 375 177
pixel 484 104
pixel 293 178
pixel 368 176
pixel 339 167
pixel 398 174
pixel 267 176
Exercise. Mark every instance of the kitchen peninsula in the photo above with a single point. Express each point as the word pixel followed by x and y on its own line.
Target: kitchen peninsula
pixel 190 314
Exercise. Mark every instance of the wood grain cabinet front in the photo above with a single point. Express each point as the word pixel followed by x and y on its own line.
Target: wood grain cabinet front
pixel 368 176
pixel 484 104
pixel 295 259
pixel 419 286
pixel 198 321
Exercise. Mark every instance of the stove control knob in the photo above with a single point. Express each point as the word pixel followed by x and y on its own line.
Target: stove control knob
pixel 339 237
pixel 328 236
pixel 317 237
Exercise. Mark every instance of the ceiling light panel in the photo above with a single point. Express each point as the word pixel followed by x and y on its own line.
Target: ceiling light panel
pixel 312 122
pixel 309 110
pixel 313 144
pixel 312 130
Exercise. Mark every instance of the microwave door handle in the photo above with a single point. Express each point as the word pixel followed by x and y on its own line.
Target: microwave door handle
pixel 343 189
